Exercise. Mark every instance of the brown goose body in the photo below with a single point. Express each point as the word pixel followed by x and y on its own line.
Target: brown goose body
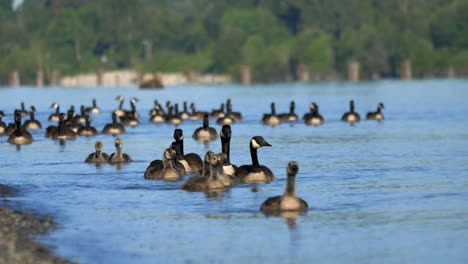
pixel 255 173
pixel 289 201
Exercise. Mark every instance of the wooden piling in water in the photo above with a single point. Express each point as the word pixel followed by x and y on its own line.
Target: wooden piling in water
pixel 244 74
pixel 99 77
pixel 302 72
pixel 14 79
pixel 353 71
pixel 405 70
pixel 451 72
pixel 39 78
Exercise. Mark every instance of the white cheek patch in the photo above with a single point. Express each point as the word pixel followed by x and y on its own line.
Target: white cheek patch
pixel 255 144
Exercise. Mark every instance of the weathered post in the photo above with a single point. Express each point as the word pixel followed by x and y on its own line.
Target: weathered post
pixel 14 79
pixel 244 74
pixel 302 72
pixel 451 72
pixel 99 77
pixel 39 78
pixel 353 71
pixel 405 70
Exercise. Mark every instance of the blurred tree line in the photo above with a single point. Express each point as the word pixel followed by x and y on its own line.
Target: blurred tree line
pixel 271 36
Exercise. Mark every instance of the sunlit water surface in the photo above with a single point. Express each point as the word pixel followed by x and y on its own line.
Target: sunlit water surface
pixel 390 192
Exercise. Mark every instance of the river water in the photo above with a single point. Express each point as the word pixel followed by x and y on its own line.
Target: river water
pixel 390 192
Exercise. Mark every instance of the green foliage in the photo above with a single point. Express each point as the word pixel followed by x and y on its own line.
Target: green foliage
pixel 271 36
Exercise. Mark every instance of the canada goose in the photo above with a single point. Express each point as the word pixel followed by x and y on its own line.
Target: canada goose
pixel 314 117
pixel 87 130
pixel 81 118
pixel 113 128
pixel 227 119
pixel 218 113
pixel 62 131
pixel 181 164
pixel 168 171
pixel 120 111
pixel 158 115
pixel 377 115
pixel 289 200
pixel 208 180
pixel 271 119
pixel 225 136
pixel 185 114
pixel 227 180
pixel 255 172
pixel 291 116
pixel 119 156
pixel 236 115
pixel 23 111
pixel 97 156
pixel 2 124
pixel 130 118
pixel 54 117
pixel 71 121
pixel 194 162
pixel 20 135
pixel 205 133
pixel 196 115
pixel 171 118
pixel 10 128
pixel 154 110
pixel 351 116
pixel 93 109
pixel 32 123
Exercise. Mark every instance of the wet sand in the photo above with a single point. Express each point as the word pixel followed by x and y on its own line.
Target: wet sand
pixel 17 231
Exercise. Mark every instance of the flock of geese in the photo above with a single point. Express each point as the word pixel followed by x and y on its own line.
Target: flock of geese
pixel 212 173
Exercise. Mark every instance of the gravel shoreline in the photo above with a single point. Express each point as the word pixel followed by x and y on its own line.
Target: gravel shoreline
pixel 17 229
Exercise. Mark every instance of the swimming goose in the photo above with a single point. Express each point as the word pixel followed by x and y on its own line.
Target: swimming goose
pixel 291 116
pixel 205 133
pixel 62 131
pixel 98 156
pixel 314 117
pixel 54 117
pixel 351 116
pixel 71 121
pixel 171 118
pixel 255 172
pixel 180 162
pixel 119 156
pixel 376 115
pixel 228 118
pixel 93 109
pixel 87 130
pixel 158 116
pixel 32 123
pixel 131 117
pixel 289 200
pixel 208 180
pixel 196 115
pixel 120 111
pixel 218 113
pixel 194 162
pixel 20 135
pixel 185 114
pixel 271 119
pixel 23 111
pixel 81 117
pixel 168 171
pixel 236 115
pixel 227 180
pixel 113 128
pixel 225 136
pixel 153 110
pixel 2 124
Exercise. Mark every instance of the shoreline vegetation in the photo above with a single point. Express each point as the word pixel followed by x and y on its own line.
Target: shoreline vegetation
pixel 247 40
pixel 17 231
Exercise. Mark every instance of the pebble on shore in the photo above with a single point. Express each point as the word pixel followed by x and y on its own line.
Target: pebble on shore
pixel 16 235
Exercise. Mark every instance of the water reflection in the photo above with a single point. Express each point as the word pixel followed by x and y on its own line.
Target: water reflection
pixel 289 217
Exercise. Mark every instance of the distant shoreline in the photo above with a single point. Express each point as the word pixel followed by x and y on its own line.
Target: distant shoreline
pixel 16 235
